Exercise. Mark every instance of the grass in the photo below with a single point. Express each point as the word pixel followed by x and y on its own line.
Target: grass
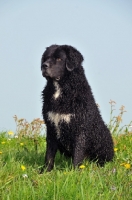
pixel 22 155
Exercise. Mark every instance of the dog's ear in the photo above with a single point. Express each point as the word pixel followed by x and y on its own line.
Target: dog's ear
pixel 73 57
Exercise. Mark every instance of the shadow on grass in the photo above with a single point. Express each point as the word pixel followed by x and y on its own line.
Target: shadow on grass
pixel 36 160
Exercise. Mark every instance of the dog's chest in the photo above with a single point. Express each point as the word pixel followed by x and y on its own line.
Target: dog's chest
pixel 59 120
pixel 56 111
pixel 57 92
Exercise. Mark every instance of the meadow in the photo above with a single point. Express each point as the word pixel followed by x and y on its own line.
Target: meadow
pixel 22 156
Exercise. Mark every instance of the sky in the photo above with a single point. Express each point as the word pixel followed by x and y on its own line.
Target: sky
pixel 100 30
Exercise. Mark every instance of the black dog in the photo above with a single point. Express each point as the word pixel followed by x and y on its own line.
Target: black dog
pixel 74 124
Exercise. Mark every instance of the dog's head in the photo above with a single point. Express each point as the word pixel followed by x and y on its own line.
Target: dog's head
pixel 59 58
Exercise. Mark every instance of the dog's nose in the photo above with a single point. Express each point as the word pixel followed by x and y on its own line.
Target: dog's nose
pixel 45 65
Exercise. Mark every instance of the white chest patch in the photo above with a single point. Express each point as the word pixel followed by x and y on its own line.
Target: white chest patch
pixel 57 90
pixel 56 118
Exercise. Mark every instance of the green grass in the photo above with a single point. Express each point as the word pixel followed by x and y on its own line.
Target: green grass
pixel 112 182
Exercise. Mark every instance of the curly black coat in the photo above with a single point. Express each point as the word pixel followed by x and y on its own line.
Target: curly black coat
pixel 74 124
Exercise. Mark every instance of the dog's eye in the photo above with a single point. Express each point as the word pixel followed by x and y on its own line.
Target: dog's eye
pixel 58 59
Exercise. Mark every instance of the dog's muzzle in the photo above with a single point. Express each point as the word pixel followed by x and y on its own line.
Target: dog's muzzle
pixel 44 68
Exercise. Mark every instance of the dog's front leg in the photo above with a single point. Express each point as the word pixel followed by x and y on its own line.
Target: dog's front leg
pixel 51 150
pixel 78 156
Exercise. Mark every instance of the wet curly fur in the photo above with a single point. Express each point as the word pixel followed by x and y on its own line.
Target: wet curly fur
pixel 74 124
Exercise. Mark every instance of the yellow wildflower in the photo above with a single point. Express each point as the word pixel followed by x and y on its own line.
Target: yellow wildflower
pixel 115 149
pixel 0 152
pixel 10 133
pixel 127 166
pixel 23 167
pixel 82 166
pixel 3 142
pixel 21 143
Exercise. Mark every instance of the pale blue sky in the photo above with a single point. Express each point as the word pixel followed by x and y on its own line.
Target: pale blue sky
pixel 100 30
